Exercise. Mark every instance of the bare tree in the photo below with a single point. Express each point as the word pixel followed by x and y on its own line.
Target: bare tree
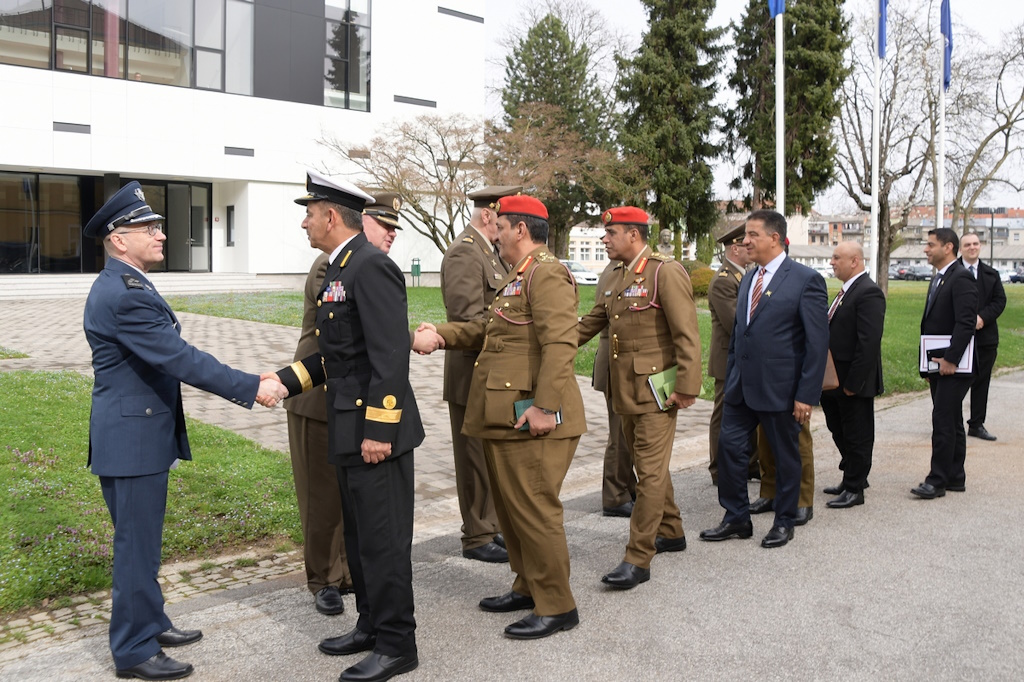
pixel 907 131
pixel 987 127
pixel 432 162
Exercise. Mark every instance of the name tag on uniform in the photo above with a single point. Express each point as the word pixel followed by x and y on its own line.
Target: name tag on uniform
pixel 513 288
pixel 334 293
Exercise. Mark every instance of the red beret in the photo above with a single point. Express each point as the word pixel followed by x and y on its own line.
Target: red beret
pixel 521 204
pixel 625 215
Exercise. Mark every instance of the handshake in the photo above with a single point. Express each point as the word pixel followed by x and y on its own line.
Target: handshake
pixel 271 390
pixel 426 339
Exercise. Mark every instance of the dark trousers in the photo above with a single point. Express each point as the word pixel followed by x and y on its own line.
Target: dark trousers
pixel 377 502
pixel 316 490
pixel 979 389
pixel 715 428
pixel 851 419
pixel 136 506
pixel 949 439
pixel 783 432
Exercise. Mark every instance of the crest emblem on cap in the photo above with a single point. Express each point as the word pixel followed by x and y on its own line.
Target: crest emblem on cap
pixel 497 206
pixel 607 217
pixel 397 203
pixel 139 194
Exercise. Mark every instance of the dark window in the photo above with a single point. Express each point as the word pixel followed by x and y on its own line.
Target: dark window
pixel 347 54
pixel 231 226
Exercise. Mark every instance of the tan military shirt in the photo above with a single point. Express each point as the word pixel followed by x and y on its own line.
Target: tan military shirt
pixel 723 291
pixel 653 324
pixel 527 345
pixel 470 275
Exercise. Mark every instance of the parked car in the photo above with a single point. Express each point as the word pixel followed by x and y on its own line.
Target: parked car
pixel 894 272
pixel 1017 278
pixel 580 273
pixel 1006 275
pixel 824 270
pixel 918 273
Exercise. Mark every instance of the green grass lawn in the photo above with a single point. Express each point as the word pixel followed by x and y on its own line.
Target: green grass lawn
pixel 57 536
pixel 899 342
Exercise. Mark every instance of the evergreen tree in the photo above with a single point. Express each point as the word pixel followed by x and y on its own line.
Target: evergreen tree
pixel 816 38
pixel 668 90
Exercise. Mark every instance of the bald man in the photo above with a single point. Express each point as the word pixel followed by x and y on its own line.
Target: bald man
pixel 856 317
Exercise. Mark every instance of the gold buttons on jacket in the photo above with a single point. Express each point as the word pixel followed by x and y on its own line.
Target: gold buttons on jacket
pixel 476 364
pixel 319 303
pixel 508 384
pixel 654 369
pixel 359 402
pixel 506 304
pixel 330 316
pixel 615 356
pixel 615 336
pixel 317 332
pixel 616 317
pixel 325 388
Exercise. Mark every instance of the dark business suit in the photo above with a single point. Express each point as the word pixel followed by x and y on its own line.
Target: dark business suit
pixel 855 339
pixel 136 432
pixel 951 309
pixel 363 333
pixel 776 359
pixel 991 302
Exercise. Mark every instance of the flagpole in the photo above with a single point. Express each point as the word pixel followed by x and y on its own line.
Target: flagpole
pixel 874 244
pixel 946 43
pixel 780 119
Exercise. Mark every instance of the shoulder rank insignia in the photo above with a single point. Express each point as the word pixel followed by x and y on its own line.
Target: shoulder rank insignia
pixel 662 257
pixel 545 257
pixel 133 282
pixel 723 273
pixel 468 239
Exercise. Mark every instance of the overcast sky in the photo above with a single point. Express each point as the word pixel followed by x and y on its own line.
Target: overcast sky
pixel 987 17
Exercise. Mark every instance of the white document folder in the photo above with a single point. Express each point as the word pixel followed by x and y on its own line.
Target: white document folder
pixel 937 342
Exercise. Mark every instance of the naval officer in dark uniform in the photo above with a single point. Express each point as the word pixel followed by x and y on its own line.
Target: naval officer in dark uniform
pixel 137 425
pixel 373 424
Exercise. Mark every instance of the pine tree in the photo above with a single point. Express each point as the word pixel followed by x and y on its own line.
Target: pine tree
pixel 816 38
pixel 668 90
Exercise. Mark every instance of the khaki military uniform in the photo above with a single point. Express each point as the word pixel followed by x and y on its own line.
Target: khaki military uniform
pixel 653 323
pixel 316 485
pixel 722 293
pixel 619 483
pixel 527 345
pixel 767 462
pixel 470 274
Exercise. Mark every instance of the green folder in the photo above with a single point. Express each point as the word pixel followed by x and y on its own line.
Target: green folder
pixel 662 384
pixel 522 405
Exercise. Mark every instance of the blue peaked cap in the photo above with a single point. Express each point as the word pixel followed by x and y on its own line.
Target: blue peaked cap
pixel 127 207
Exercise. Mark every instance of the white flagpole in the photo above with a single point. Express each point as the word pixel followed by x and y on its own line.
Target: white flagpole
pixel 940 160
pixel 780 119
pixel 875 241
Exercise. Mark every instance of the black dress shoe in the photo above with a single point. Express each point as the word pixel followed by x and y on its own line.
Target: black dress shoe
pixel 535 627
pixel 175 637
pixel 762 505
pixel 957 487
pixel 626 576
pixel 378 667
pixel 724 531
pixel 499 540
pixel 980 432
pixel 834 489
pixel 352 643
pixel 625 510
pixel 492 553
pixel 803 515
pixel 159 667
pixel 669 544
pixel 328 601
pixel 928 491
pixel 777 537
pixel 510 601
pixel 846 499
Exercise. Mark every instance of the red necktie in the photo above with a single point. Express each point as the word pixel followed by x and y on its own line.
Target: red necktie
pixel 756 296
pixel 835 305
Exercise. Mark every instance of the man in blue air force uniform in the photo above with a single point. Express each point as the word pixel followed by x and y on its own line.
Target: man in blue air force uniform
pixel 137 426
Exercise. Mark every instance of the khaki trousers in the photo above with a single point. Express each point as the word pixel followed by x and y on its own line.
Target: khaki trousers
pixel 316 487
pixel 767 459
pixel 472 483
pixel 655 513
pixel 619 485
pixel 527 477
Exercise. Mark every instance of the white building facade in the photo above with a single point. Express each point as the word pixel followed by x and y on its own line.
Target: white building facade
pixel 216 107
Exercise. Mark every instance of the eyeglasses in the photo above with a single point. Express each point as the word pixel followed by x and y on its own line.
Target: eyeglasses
pixel 151 229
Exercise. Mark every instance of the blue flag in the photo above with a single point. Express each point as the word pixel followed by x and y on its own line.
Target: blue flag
pixel 947 55
pixel 776 7
pixel 883 8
